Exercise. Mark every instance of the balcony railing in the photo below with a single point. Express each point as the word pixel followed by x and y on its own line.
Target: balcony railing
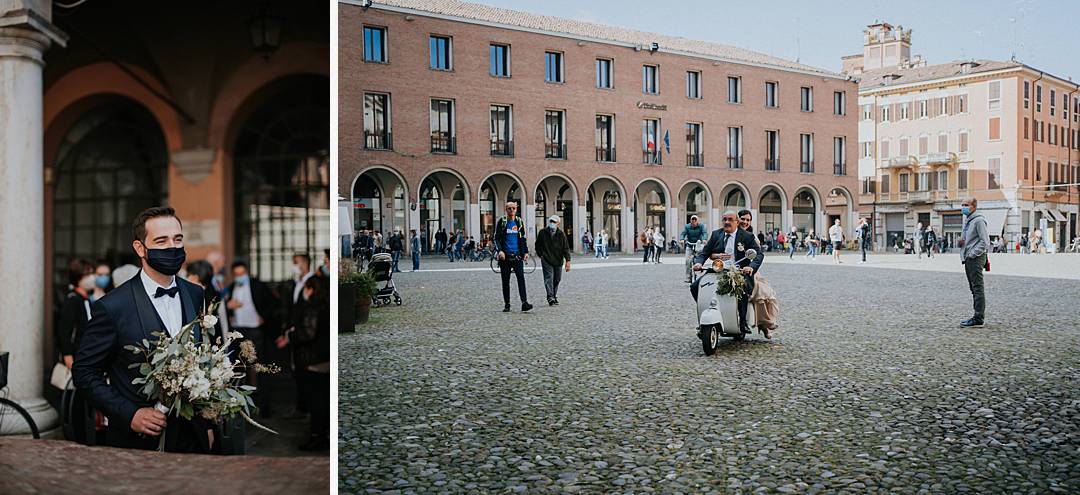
pixel 555 150
pixel 605 154
pixel 695 160
pixel 378 140
pixel 772 164
pixel 652 157
pixel 734 162
pixel 902 161
pixel 941 158
pixel 806 167
pixel 443 144
pixel 839 168
pixel 502 147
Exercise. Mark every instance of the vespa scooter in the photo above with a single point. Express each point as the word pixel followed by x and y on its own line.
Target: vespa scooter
pixel 718 315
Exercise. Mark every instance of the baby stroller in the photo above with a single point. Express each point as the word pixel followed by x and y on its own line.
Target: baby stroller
pixel 380 267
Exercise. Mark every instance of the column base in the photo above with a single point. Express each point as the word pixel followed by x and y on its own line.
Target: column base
pixel 45 417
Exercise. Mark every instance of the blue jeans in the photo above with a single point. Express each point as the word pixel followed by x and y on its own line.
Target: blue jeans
pixel 415 261
pixel 395 256
pixel 791 250
pixel 450 254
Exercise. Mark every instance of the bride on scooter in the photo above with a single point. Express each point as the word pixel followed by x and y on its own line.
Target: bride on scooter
pixel 730 245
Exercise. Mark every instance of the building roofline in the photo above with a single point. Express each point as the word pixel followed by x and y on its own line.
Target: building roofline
pixel 952 79
pixel 406 10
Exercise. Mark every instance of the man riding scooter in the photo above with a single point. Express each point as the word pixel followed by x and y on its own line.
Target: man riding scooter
pixel 690 236
pixel 730 245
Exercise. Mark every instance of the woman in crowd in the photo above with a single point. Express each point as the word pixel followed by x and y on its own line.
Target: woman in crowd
pixel 309 336
pixel 102 281
pixel 201 272
pixel 72 321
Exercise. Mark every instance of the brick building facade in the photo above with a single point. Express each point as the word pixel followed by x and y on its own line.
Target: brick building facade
pixel 448 109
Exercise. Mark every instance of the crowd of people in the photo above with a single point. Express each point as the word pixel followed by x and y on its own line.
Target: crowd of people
pixel 293 317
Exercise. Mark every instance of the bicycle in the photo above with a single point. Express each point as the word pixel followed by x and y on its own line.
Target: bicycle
pixel 530 266
pixel 7 403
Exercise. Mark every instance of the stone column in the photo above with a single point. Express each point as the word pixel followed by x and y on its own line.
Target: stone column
pixel 473 220
pixel 24 37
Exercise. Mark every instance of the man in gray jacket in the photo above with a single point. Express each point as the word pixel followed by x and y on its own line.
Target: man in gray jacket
pixel 975 241
pixel 554 252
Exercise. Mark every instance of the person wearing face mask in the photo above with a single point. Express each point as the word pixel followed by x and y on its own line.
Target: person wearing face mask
pixel 156 300
pixel 309 336
pixel 102 280
pixel 554 252
pixel 71 323
pixel 251 311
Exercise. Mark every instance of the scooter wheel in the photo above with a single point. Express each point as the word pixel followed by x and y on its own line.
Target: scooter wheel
pixel 709 338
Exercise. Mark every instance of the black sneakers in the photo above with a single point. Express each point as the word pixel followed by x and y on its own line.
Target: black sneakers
pixel 971 322
pixel 506 308
pixel 556 301
pixel 525 307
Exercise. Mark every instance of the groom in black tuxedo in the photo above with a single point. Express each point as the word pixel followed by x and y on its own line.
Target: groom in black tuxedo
pixel 731 244
pixel 155 300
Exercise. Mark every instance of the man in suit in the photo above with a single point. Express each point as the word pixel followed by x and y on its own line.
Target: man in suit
pixel 154 301
pixel 729 245
pixel 252 306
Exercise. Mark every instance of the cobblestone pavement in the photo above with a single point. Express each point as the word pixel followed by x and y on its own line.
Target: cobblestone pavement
pixel 870 385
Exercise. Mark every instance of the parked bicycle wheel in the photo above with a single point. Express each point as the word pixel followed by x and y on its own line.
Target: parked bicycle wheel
pixel 9 405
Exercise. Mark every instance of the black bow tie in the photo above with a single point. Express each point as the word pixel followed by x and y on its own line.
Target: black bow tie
pixel 171 292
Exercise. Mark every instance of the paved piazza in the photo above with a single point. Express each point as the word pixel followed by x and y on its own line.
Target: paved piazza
pixel 869 385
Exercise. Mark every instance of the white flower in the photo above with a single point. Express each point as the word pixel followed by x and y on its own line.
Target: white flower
pixel 209 321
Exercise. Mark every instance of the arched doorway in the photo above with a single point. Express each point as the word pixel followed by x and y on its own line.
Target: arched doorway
pixel 111 164
pixel 839 206
pixel 378 199
pixel 603 207
pixel 695 200
pixel 555 195
pixel 650 206
pixel 442 203
pixel 771 209
pixel 804 211
pixel 282 176
pixel 498 189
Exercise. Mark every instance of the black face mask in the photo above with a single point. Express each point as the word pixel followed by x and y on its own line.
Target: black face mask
pixel 167 261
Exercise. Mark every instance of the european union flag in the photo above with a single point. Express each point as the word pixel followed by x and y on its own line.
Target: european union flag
pixel 667 142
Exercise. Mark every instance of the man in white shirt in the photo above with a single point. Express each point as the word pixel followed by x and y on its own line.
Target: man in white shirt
pixel 836 236
pixel 251 307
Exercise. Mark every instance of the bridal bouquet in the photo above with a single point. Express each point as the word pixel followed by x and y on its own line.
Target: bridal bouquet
pixel 731 281
pixel 189 378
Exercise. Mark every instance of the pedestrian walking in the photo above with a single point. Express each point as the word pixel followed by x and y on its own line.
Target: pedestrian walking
pixel 513 252
pixel 440 241
pixel 793 239
pixel 931 241
pixel 586 241
pixel 415 246
pixel 658 245
pixel 862 233
pixel 603 240
pixel 645 239
pixel 811 245
pixel 423 241
pixel 917 242
pixel 554 251
pixel 395 244
pixel 836 238
pixel 692 234
pixel 975 240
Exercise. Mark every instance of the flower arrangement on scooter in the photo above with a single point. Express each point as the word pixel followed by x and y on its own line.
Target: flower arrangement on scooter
pixel 730 281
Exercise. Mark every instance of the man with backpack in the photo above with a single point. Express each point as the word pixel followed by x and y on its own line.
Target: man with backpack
pixel 512 250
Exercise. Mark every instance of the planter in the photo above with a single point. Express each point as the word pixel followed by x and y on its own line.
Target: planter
pixel 363 309
pixel 347 312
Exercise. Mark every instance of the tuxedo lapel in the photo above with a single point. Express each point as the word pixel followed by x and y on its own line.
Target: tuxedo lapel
pixel 149 320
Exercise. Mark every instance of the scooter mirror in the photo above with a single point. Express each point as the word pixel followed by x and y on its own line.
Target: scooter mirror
pixel 751 253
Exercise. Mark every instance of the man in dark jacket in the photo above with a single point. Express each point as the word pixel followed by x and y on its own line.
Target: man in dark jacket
pixel 691 234
pixel 396 245
pixel 513 252
pixel 730 245
pixel 252 309
pixel 554 253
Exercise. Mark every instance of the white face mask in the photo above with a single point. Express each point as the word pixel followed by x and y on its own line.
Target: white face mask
pixel 296 271
pixel 87 283
pixel 552 225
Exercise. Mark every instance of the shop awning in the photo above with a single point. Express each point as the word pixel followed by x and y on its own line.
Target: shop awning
pixel 995 220
pixel 1058 216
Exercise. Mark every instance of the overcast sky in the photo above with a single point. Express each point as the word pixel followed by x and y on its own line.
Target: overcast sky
pixel 1041 33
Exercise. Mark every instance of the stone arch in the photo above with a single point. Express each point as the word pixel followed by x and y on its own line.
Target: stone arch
pixel 804 218
pixel 450 215
pixel 732 186
pixel 769 215
pixel 386 180
pixel 684 206
pixel 547 202
pixel 612 216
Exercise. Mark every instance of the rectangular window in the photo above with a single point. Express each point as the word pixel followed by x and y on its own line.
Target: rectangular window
pixel 905 182
pixel 839 102
pixel 374 44
pixel 943 180
pixel 962 179
pixel 734 89
pixel 734 146
pixel 994 97
pixel 839 161
pixel 942 143
pixel 903 147
pixel 603 73
pixel 1027 94
pixel 885 113
pixel 377 135
pixel 884 150
pixel 922 181
pixel 502 143
pixel 693 145
pixel 1053 95
pixel 963 142
pixel 903 111
pixel 1027 167
pixel 499 60
pixel 868 149
pixel 806 153
pixel 442 126
pixel 806 95
pixel 605 138
pixel 1038 170
pixel 867 112
pixel 961 102
pixel 995 128
pixel 650 141
pixel 555 134
pixel 649 83
pixel 693 84
pixel 440 52
pixel 943 106
pixel 1027 125
pixel 772 150
pixel 922 109
pixel 924 145
pixel 553 67
pixel 884 184
pixel 1038 98
pixel 993 173
pixel 770 94
pixel 868 185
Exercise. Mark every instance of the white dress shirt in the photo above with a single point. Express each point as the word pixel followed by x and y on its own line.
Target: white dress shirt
pixel 168 308
pixel 300 287
pixel 245 316
pixel 729 248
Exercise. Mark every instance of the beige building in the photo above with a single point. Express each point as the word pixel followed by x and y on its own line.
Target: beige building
pixel 930 135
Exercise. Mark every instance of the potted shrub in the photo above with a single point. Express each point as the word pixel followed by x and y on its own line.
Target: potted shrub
pixel 366 287
pixel 347 293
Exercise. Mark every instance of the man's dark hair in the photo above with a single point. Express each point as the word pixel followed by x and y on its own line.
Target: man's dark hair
pixel 744 212
pixel 303 256
pixel 77 269
pixel 202 270
pixel 239 263
pixel 139 226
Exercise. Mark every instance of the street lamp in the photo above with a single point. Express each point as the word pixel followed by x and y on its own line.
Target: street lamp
pixel 265 32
